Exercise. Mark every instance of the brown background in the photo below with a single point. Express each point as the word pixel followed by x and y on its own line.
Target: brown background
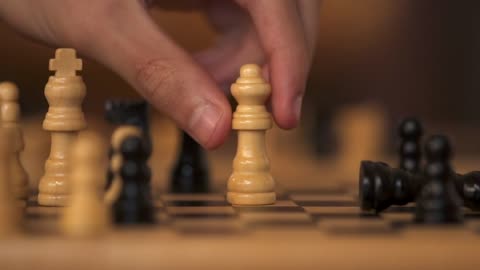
pixel 420 53
pixel 411 57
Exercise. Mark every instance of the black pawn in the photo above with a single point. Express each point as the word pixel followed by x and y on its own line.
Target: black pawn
pixel 410 131
pixel 134 205
pixel 129 112
pixel 468 187
pixel 190 173
pixel 381 186
pixel 438 202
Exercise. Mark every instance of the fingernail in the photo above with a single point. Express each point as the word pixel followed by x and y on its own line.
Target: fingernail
pixel 204 121
pixel 297 106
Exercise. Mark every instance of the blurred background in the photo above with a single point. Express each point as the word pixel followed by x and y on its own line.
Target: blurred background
pixel 400 58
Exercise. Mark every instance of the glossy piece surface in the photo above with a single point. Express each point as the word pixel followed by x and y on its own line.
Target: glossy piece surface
pixel 65 92
pixel 251 182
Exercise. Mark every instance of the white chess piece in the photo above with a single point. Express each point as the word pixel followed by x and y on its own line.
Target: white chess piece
pixel 88 211
pixel 251 182
pixel 10 118
pixel 65 92
pixel 9 212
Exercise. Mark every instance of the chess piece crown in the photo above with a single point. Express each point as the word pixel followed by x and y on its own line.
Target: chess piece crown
pixel 65 92
pixel 251 92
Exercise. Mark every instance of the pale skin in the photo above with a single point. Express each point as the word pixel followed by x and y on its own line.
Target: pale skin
pixel 280 34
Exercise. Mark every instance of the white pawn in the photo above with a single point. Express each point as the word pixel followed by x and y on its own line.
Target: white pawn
pixel 10 118
pixel 251 182
pixel 9 212
pixel 87 214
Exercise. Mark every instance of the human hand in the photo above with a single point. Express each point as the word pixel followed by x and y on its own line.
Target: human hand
pixel 121 35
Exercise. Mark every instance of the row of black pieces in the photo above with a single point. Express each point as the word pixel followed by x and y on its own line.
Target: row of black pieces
pixel 189 175
pixel 382 186
pixel 435 189
pixel 379 186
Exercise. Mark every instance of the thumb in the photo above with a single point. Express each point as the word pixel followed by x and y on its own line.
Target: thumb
pixel 130 43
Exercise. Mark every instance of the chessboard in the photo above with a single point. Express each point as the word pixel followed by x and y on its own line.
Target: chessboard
pixel 178 215
pixel 304 229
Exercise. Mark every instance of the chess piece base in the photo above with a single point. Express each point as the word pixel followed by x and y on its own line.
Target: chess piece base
pixel 439 204
pixel 237 198
pixel 85 218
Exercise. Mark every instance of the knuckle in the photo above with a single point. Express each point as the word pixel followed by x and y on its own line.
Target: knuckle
pixel 157 78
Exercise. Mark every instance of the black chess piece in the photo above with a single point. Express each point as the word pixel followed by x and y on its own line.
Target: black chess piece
pixel 468 187
pixel 366 184
pixel 410 132
pixel 438 201
pixel 129 112
pixel 381 186
pixel 134 205
pixel 190 173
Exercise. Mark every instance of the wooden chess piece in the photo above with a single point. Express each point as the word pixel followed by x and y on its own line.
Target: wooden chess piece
pixel 87 214
pixel 129 162
pixel 410 132
pixel 10 118
pixel 129 112
pixel 65 92
pixel 9 212
pixel 381 186
pixel 190 173
pixel 116 160
pixel 438 201
pixel 251 182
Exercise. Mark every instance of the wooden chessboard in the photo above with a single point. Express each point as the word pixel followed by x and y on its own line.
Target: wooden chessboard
pixel 315 223
pixel 305 229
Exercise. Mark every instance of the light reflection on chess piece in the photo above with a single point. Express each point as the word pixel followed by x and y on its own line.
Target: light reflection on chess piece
pixel 64 92
pixel 251 182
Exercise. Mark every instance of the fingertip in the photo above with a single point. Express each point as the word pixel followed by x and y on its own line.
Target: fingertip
pixel 287 96
pixel 285 119
pixel 287 113
pixel 221 130
pixel 209 124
